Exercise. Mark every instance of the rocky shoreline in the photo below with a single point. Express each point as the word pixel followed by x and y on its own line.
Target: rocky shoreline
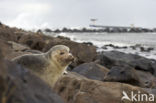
pixel 107 30
pixel 95 77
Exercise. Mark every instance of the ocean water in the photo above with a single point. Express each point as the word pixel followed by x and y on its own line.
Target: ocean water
pixel 146 40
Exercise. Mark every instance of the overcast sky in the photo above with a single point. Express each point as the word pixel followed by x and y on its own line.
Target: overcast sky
pixel 31 14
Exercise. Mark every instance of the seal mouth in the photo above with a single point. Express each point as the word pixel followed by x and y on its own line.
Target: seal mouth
pixel 71 58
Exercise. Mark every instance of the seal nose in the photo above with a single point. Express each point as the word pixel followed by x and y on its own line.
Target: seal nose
pixel 71 57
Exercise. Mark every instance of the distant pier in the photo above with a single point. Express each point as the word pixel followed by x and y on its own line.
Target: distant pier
pixel 115 27
pixel 121 28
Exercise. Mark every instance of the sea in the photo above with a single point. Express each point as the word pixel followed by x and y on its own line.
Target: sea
pixel 125 42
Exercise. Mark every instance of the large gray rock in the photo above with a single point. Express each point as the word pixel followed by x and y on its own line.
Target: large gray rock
pixel 91 70
pixel 123 75
pixel 126 74
pixel 113 58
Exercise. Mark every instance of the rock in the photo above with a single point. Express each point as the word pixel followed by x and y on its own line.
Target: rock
pixel 143 49
pixel 113 58
pixel 124 47
pixel 88 43
pixel 48 30
pixel 111 45
pixel 18 47
pixel 18 85
pixel 6 47
pixel 129 75
pixel 134 47
pixel 146 78
pixel 39 32
pixel 34 51
pixel 104 47
pixel 151 91
pixel 36 42
pixel 150 49
pixel 74 88
pixel 91 70
pixel 123 74
pixel 153 65
pixel 2 75
pixel 62 37
pixel 13 50
pixel 9 34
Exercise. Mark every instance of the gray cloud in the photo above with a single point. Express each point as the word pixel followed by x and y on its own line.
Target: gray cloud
pixel 77 13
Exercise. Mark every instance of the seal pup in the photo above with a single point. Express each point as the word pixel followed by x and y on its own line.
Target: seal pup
pixel 50 65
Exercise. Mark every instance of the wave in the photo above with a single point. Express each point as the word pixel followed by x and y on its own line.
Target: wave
pixel 71 37
pixel 98 43
pixel 97 40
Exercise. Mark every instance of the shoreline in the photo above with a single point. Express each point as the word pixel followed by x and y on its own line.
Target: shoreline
pixel 107 71
pixel 100 30
pixel 147 50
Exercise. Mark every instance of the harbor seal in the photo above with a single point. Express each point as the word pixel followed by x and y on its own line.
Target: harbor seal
pixel 50 65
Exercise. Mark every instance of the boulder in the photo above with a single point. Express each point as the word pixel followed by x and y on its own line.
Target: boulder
pixel 74 88
pixel 129 75
pixel 91 70
pixel 113 46
pixel 113 58
pixel 150 90
pixel 18 47
pixel 36 42
pixel 13 49
pixel 88 43
pixel 6 34
pixel 123 74
pixel 10 34
pixel 62 37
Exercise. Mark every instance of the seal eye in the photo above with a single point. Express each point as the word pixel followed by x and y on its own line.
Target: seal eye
pixel 61 53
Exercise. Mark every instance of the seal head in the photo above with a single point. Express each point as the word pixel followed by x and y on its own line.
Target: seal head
pixel 60 55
